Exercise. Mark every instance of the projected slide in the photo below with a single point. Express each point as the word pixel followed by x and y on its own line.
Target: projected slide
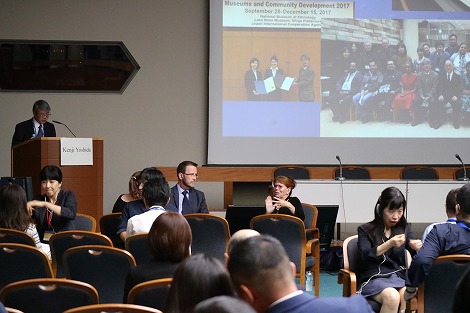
pixel 308 71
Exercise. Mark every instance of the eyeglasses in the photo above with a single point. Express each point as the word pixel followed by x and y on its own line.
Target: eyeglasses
pixel 45 114
pixel 191 174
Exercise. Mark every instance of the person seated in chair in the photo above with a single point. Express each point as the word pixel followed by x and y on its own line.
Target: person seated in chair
pixel 281 201
pixel 381 244
pixel 449 90
pixel 443 239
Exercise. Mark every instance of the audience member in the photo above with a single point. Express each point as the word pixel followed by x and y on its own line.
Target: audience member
pixel 278 76
pixel 388 91
pixel 156 194
pixel 402 104
pixel 363 100
pixel 184 196
pixel 169 241
pixel 305 80
pixel 462 291
pixel 449 90
pixel 346 87
pixel 251 76
pixel 460 58
pixel 223 304
pixel 281 201
pixel 238 236
pixel 55 210
pixel 426 92
pixel 197 278
pixel 134 193
pixel 264 277
pixel 14 213
pixel 451 202
pixel 37 126
pixel 382 243
pixel 443 239
pixel 138 206
pixel 439 57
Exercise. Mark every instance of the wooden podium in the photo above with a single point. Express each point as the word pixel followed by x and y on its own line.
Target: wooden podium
pixel 86 181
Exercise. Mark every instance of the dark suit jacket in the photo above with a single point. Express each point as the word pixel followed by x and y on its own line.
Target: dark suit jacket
pixel 197 200
pixel 25 130
pixel 250 79
pixel 67 201
pixel 305 303
pixel 448 89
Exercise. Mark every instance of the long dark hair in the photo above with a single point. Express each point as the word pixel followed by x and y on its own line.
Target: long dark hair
pixel 197 278
pixel 13 208
pixel 391 198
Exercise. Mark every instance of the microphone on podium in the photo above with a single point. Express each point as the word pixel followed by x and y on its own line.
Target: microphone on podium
pixel 60 123
pixel 464 178
pixel 340 177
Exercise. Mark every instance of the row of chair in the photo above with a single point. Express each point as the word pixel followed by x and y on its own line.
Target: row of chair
pixel 360 172
pixel 56 295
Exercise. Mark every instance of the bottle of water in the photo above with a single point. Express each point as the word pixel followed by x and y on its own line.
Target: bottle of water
pixel 308 281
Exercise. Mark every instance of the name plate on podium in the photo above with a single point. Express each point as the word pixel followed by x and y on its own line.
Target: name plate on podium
pixel 76 151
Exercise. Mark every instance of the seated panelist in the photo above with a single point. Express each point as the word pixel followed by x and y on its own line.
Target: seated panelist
pixel 280 201
pixel 55 209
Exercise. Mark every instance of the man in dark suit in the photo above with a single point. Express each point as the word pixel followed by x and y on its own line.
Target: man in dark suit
pixel 346 88
pixel 426 92
pixel 449 90
pixel 183 195
pixel 263 276
pixel 38 126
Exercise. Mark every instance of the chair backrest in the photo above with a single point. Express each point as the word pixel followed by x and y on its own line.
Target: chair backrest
pixel 109 224
pixel 310 220
pixel 52 295
pixel 350 254
pixel 290 231
pixel 352 172
pixel 138 246
pixel 84 222
pixel 151 293
pixel 459 173
pixel 113 308
pixel 294 171
pixel 103 267
pixel 20 262
pixel 436 294
pixel 311 215
pixel 8 235
pixel 60 242
pixel 210 234
pixel 418 173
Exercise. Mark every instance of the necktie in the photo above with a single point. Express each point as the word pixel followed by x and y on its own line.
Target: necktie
pixel 40 132
pixel 186 208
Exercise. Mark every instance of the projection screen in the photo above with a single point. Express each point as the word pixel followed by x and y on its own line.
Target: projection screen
pixel 275 114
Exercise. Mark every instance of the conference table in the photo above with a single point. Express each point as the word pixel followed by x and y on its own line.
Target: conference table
pixel 357 198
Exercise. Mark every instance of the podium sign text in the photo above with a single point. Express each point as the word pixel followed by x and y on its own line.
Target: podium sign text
pixel 76 151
